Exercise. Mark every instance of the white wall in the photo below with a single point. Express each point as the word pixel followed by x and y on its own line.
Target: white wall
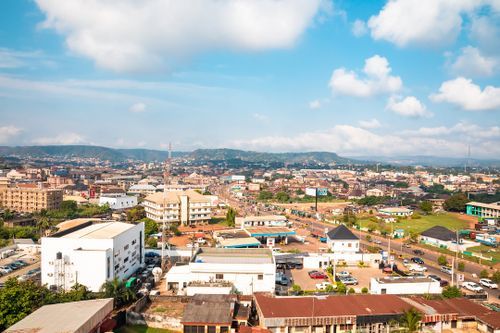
pixel 317 260
pixel 350 246
pixel 118 202
pixel 405 288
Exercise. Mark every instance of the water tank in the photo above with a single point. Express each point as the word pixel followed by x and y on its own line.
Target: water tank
pixel 58 255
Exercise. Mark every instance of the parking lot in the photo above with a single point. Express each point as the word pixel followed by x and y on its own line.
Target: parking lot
pixel 18 265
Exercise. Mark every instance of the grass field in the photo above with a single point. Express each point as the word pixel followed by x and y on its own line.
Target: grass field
pixel 141 329
pixel 486 251
pixel 425 222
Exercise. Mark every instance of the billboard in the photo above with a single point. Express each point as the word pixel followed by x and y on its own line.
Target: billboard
pixel 311 191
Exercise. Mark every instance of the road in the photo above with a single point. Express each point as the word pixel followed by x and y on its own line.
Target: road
pixel 471 273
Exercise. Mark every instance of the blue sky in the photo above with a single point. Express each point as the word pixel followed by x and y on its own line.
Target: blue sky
pixel 405 77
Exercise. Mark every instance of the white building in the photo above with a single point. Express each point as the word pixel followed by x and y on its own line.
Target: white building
pixel 91 254
pixel 118 201
pixel 342 240
pixel 184 207
pixel 143 189
pixel 396 211
pixel 374 192
pixel 213 269
pixel 397 285
pixel 262 221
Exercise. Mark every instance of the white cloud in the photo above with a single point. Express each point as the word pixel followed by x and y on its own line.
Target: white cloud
pixel 138 108
pixel 61 139
pixel 377 79
pixel 359 28
pixel 467 95
pixel 485 31
pixel 471 63
pixel 370 124
pixel 432 22
pixel 14 59
pixel 260 117
pixel 316 104
pixel 472 131
pixel 351 140
pixel 129 35
pixel 409 106
pixel 7 132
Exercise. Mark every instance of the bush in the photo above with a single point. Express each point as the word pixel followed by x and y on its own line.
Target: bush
pixel 351 291
pixel 496 277
pixel 329 288
pixel 296 289
pixel 461 266
pixel 368 238
pixel 442 260
pixel 364 290
pixel 451 292
pixel 341 288
pixel 484 274
pixel 151 242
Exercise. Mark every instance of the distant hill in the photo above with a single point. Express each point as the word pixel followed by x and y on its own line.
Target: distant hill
pixel 436 161
pixel 147 155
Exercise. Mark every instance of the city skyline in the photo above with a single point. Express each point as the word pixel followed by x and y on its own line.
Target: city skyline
pixel 350 77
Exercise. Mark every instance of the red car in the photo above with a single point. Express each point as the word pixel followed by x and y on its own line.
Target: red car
pixel 317 275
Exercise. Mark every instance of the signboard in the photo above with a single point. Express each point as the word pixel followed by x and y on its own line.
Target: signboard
pixel 322 191
pixel 311 191
pixel 460 277
pixel 270 242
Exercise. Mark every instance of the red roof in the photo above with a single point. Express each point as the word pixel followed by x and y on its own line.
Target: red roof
pixel 329 306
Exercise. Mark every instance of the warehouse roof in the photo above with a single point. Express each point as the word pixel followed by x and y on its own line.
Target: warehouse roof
pixel 72 317
pixel 233 256
pixel 105 230
pixel 209 309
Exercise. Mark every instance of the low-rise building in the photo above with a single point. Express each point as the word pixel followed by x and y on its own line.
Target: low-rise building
pixel 342 240
pixel 246 270
pixel 91 254
pixel 262 221
pixel 480 209
pixel 118 201
pixel 396 211
pixel 397 285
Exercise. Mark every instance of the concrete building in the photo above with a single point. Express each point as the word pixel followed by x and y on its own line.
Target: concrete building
pixel 118 201
pixel 181 207
pixel 72 317
pixel 445 238
pixel 342 240
pixel 396 211
pixel 262 221
pixel 91 254
pixel 393 285
pixel 374 192
pixel 480 209
pixel 28 200
pixel 218 271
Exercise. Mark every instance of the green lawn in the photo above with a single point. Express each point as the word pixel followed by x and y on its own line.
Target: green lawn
pixel 425 222
pixel 141 329
pixel 486 251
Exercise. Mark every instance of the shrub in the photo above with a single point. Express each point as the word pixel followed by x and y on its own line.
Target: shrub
pixel 484 274
pixel 442 260
pixel 461 266
pixel 351 291
pixel 451 292
pixel 364 290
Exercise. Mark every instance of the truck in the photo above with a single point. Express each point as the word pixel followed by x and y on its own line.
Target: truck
pixel 486 239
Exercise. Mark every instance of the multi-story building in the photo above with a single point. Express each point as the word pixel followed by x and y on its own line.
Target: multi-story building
pixel 179 207
pixel 262 221
pixel 91 254
pixel 480 209
pixel 28 200
pixel 118 201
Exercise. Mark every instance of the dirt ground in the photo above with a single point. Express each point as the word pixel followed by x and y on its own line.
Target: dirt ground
pixel 322 206
pixel 471 219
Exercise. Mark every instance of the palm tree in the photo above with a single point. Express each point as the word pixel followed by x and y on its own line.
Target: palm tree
pixel 410 320
pixel 116 289
pixel 43 224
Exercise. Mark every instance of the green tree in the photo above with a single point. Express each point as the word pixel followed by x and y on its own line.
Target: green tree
pixel 484 274
pixel 116 289
pixel 150 226
pixel 451 292
pixel 410 320
pixel 77 292
pixel 69 205
pixel 282 196
pixel 330 288
pixel 151 242
pixel 231 217
pixel 341 288
pixel 426 207
pixel 136 213
pixel 456 203
pixel 299 192
pixel 496 276
pixel 265 195
pixel 296 289
pixel 461 266
pixel 442 260
pixel 43 224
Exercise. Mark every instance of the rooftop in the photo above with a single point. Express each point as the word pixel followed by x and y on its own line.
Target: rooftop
pixel 173 197
pixel 414 279
pixel 494 205
pixel 263 218
pixel 210 309
pixel 81 317
pixel 440 232
pixel 107 230
pixel 233 256
pixel 341 233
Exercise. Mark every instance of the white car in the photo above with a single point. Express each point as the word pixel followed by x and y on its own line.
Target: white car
pixel 323 285
pixel 417 268
pixel 472 286
pixel 488 283
pixel 406 262
pixel 343 274
pixel 5 270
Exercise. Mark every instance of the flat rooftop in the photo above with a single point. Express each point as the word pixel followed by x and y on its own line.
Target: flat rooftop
pixel 269 231
pixel 263 218
pixel 107 230
pixel 72 317
pixel 415 279
pixel 233 256
pixel 494 205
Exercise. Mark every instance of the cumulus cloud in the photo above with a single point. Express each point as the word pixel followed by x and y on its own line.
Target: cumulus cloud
pixel 351 140
pixel 370 124
pixel 129 35
pixel 359 28
pixel 485 31
pixel 409 106
pixel 472 131
pixel 376 80
pixel 7 132
pixel 138 108
pixel 316 104
pixel 471 63
pixel 61 139
pixel 467 95
pixel 432 22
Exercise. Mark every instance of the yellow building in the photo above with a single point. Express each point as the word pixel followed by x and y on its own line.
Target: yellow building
pixel 28 200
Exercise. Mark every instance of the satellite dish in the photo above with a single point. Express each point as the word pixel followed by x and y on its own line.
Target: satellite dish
pixel 157 271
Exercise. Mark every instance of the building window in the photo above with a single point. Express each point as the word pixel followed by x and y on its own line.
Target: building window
pixel 260 277
pixel 224 329
pixel 219 276
pixel 211 329
pixel 108 267
pixel 125 248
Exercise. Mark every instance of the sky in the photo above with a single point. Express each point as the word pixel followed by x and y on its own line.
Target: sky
pixel 359 78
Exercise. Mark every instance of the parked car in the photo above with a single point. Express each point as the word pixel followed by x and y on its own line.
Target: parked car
pixel 377 241
pixel 417 268
pixel 317 275
pixel 323 285
pixel 151 254
pixel 343 274
pixel 446 269
pixel 488 283
pixel 443 283
pixel 418 252
pixel 5 270
pixel 472 286
pixel 282 279
pixel 417 260
pixel 434 277
pixel 406 262
pixel 407 245
pixel 349 281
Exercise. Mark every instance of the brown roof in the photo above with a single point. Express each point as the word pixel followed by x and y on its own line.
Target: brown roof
pixel 329 306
